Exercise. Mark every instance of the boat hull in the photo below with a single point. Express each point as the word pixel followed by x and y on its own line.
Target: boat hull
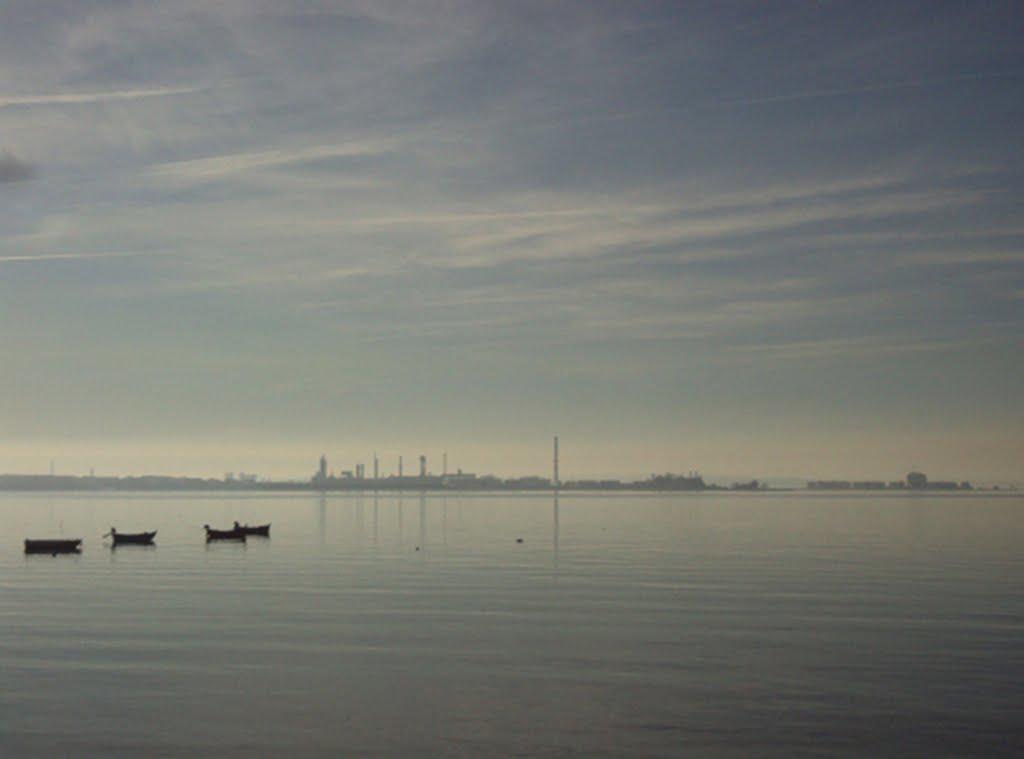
pixel 54 546
pixel 260 530
pixel 133 539
pixel 212 534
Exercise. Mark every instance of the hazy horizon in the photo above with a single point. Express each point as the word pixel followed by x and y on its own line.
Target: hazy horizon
pixel 775 240
pixel 284 464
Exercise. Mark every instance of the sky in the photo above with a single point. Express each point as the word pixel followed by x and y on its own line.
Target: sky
pixel 767 240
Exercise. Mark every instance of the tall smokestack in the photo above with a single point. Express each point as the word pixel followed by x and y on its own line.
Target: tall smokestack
pixel 555 479
pixel 399 466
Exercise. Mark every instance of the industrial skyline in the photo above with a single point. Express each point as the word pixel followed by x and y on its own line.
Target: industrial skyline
pixel 358 471
pixel 355 478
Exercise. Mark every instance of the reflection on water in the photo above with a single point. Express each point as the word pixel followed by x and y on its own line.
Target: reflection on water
pixel 554 529
pixel 401 518
pixel 359 528
pixel 625 625
pixel 423 525
pixel 322 517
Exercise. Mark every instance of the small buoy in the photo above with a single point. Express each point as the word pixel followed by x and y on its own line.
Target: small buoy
pixel 417 548
pixel 519 540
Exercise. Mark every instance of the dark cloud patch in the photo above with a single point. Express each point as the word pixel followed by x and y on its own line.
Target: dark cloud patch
pixel 13 169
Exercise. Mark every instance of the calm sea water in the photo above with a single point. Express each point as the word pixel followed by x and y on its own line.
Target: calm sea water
pixel 708 625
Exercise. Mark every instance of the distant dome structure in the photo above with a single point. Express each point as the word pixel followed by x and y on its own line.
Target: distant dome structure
pixel 917 480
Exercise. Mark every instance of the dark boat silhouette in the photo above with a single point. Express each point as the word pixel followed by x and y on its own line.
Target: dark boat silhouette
pixel 262 530
pixel 53 546
pixel 232 534
pixel 131 538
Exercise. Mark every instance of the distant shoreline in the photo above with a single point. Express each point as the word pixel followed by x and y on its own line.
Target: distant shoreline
pixel 160 483
pixel 26 483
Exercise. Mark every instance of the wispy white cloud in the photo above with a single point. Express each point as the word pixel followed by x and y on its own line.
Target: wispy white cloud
pixel 539 228
pixel 214 167
pixel 967 255
pixel 45 257
pixel 867 89
pixel 855 349
pixel 84 98
pixel 548 236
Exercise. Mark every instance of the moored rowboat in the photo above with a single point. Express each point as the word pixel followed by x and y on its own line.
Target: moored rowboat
pixel 256 529
pixel 53 546
pixel 131 538
pixel 232 534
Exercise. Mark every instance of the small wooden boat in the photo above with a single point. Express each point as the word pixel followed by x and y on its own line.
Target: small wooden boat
pixel 53 547
pixel 232 534
pixel 262 530
pixel 131 538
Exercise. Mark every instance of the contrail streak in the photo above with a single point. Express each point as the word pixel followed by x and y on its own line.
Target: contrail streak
pixel 865 89
pixel 79 98
pixel 65 257
pixel 782 98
